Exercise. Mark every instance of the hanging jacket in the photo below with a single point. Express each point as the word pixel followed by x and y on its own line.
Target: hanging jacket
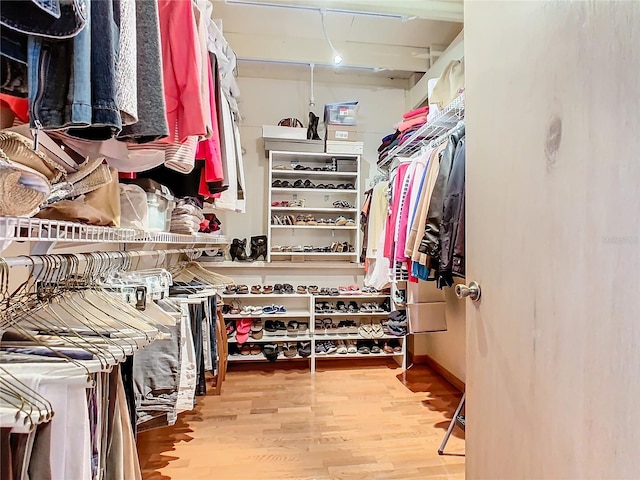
pixel 452 223
pixel 430 243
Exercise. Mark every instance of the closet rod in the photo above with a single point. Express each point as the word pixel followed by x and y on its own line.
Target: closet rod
pixel 27 260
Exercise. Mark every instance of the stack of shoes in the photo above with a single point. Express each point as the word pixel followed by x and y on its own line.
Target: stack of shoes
pixel 397 323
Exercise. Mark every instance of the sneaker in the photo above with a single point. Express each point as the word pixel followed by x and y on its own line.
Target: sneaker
pixel 320 350
pixel 330 347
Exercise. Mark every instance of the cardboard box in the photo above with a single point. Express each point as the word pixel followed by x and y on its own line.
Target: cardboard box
pixel 287 133
pixel 427 317
pixel 342 133
pixel 349 148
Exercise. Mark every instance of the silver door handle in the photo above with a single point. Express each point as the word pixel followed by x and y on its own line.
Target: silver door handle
pixel 472 291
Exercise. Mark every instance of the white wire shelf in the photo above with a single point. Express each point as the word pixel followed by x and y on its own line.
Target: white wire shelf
pixel 35 229
pixel 430 131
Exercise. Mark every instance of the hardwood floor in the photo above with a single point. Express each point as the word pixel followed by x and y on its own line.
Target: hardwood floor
pixel 278 422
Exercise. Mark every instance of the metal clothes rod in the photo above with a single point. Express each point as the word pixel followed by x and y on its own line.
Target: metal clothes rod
pixel 28 261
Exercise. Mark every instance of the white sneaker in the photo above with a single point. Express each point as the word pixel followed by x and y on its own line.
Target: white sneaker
pixel 342 347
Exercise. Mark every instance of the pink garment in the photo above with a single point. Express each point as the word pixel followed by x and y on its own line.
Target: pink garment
pixel 416 121
pixel 181 64
pixel 209 149
pixel 403 213
pixel 390 229
pixel 416 112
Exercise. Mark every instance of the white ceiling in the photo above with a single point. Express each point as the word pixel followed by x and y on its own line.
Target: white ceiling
pixel 397 46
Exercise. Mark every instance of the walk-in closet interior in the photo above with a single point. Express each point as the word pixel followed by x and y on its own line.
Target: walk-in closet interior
pixel 231 211
pixel 236 240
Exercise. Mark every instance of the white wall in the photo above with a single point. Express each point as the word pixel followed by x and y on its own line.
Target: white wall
pixel 265 101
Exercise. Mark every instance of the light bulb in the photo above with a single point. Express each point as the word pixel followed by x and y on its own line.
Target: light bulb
pixel 337 58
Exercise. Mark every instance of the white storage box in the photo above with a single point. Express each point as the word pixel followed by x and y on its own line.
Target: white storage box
pixel 286 133
pixel 280 145
pixel 352 148
pixel 427 317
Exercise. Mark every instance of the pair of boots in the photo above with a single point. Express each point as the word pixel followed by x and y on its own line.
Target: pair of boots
pixel 237 249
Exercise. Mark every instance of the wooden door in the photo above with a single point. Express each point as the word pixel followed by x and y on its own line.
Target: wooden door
pixel 553 239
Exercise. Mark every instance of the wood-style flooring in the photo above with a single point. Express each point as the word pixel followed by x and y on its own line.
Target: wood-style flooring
pixel 277 422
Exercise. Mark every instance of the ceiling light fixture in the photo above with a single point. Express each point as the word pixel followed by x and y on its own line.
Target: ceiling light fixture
pixel 337 58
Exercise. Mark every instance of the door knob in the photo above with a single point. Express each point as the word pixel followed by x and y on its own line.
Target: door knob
pixel 472 291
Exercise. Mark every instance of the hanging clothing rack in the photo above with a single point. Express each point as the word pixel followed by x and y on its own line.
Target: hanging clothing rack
pixel 435 128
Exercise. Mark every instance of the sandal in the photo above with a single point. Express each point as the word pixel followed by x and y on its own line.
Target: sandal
pixel 257 331
pixel 298 184
pixel 375 348
pixel 365 331
pixel 309 184
pixel 242 290
pixel 292 326
pixel 277 288
pixel 298 203
pixel 245 350
pixel 277 184
pixel 300 220
pixel 310 220
pixel 304 349
pixel 377 331
pixel 301 289
pixel 350 222
pixel 256 290
pixel 351 346
pixel 268 289
pixel 313 289
pixel 364 349
pixel 229 290
pixel 290 350
pixel 340 221
pixel 255 349
pixel 303 326
pixel 235 307
pixel 353 307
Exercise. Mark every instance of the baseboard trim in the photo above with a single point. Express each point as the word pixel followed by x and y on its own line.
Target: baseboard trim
pixel 443 372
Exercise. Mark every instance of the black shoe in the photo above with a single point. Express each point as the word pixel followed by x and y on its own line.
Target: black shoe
pixel 237 250
pixel 312 129
pixel 259 247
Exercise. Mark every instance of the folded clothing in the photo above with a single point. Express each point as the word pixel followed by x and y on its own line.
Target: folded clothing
pixel 415 121
pixel 417 112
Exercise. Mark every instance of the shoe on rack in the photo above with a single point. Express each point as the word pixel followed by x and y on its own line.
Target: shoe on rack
pixel 292 326
pixel 257 330
pixel 341 347
pixel 256 290
pixel 259 247
pixel 304 349
pixel 320 349
pixel 271 351
pixel 363 348
pixel 351 346
pixel 237 250
pixel 330 347
pixel 289 349
pixel 375 348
